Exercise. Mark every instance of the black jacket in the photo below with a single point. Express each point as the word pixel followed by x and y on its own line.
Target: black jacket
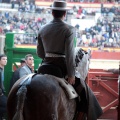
pixel 3 98
pixel 15 77
pixel 1 82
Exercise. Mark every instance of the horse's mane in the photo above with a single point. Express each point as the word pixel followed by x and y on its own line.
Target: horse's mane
pixel 79 55
pixel 82 61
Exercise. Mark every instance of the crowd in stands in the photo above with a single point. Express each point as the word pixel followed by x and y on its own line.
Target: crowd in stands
pixel 113 10
pixel 106 32
pixel 30 18
pixel 10 22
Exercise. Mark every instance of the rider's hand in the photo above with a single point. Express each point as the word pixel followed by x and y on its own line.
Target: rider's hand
pixel 71 80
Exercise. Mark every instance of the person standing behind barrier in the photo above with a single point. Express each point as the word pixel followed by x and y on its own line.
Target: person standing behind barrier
pixel 16 75
pixel 56 42
pixel 27 69
pixel 3 98
pixel 114 71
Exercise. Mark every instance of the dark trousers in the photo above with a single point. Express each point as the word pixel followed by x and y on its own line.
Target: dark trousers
pixel 82 103
pixel 54 66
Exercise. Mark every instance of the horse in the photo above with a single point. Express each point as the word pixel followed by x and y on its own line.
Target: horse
pixel 42 97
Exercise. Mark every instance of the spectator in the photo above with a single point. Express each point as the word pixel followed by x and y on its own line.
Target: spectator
pixel 16 75
pixel 6 15
pixel 114 71
pixel 24 22
pixel 1 31
pixel 13 4
pixel 3 98
pixel 80 10
pixel 27 69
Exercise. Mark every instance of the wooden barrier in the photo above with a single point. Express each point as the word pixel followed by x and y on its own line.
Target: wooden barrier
pixel 106 55
pixel 105 87
pixel 119 99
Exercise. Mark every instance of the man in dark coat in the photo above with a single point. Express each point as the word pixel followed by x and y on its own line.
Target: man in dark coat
pixel 56 42
pixel 16 75
pixel 3 98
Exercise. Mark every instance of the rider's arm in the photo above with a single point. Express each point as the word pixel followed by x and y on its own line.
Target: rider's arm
pixel 40 48
pixel 70 55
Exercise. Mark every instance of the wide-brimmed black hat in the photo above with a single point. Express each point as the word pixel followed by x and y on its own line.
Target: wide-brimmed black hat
pixel 59 5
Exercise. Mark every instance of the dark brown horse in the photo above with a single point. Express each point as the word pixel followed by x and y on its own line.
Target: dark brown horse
pixel 45 100
pixel 42 98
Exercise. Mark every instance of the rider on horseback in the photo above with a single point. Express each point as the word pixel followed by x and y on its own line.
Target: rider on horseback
pixel 56 48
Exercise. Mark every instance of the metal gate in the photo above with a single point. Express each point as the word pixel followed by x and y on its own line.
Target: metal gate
pixel 16 50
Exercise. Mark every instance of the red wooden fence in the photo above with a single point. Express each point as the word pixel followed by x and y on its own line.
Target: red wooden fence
pixel 105 87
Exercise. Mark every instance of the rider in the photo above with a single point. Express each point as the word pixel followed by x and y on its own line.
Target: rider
pixel 56 42
pixel 56 46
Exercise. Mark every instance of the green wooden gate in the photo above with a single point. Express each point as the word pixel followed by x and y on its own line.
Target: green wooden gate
pixel 14 54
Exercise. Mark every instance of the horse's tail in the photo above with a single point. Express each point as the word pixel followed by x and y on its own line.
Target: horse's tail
pixel 21 94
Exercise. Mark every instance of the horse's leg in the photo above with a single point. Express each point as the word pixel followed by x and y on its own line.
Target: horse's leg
pixel 66 108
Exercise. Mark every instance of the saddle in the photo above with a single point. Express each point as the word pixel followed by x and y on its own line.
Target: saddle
pixel 55 72
pixel 68 88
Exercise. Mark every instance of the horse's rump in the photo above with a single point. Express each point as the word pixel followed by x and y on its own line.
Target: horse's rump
pixel 44 100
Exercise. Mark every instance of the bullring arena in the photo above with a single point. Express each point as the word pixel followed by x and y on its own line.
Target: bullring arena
pixel 104 84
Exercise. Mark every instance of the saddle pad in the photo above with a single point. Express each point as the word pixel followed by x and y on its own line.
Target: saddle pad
pixel 68 88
